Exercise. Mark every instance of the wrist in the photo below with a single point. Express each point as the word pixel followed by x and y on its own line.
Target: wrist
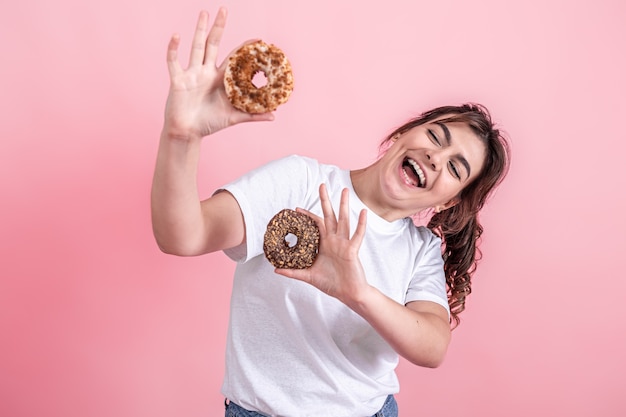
pixel 179 132
pixel 361 299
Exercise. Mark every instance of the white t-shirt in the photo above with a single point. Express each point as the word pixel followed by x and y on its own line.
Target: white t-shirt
pixel 294 351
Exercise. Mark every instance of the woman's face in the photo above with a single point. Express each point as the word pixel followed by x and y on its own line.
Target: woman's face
pixel 429 165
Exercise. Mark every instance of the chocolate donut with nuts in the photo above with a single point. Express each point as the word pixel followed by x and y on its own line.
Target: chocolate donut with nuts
pixel 279 252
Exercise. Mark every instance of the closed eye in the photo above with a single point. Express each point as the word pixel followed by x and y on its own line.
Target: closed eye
pixel 433 137
pixel 454 170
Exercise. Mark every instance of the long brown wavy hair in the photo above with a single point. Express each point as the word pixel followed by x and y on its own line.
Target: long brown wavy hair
pixel 458 226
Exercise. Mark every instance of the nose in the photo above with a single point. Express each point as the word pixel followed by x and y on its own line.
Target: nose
pixel 434 159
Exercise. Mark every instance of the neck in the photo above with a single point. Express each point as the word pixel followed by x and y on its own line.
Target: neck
pixel 366 185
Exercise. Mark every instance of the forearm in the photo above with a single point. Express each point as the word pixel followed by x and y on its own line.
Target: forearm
pixel 420 331
pixel 196 107
pixel 422 337
pixel 175 203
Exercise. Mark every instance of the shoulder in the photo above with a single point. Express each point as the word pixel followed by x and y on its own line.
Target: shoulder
pixel 294 163
pixel 427 244
pixel 430 247
pixel 287 169
pixel 299 160
pixel 316 170
pixel 427 235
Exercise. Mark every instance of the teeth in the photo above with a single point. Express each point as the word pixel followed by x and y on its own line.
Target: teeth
pixel 418 171
pixel 407 179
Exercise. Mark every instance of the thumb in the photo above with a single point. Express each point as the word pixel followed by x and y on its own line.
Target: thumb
pixel 242 117
pixel 299 274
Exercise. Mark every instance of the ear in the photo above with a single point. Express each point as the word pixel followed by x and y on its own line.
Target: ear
pixel 441 207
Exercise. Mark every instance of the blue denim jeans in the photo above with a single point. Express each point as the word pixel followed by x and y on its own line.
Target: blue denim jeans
pixel 390 409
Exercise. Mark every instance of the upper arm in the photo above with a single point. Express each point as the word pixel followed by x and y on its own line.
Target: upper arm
pixel 430 308
pixel 436 318
pixel 223 222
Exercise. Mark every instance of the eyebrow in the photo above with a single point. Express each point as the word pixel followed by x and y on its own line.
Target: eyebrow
pixel 448 136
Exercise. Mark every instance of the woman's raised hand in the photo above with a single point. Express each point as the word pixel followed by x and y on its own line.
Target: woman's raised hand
pixel 197 104
pixel 337 271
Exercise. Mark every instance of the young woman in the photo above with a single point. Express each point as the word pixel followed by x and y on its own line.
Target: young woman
pixel 325 341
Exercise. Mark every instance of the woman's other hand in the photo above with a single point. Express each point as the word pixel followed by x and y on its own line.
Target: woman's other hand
pixel 197 104
pixel 337 271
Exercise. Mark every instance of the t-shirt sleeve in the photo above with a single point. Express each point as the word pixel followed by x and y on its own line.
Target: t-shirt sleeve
pixel 263 192
pixel 429 281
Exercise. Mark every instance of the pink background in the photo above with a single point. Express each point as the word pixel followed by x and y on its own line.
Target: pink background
pixel 95 321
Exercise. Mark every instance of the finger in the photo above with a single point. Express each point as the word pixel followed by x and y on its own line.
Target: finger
pixel 173 65
pixel 199 40
pixel 299 274
pixel 310 214
pixel 242 117
pixel 330 220
pixel 343 222
pixel 224 64
pixel 317 219
pixel 359 233
pixel 215 36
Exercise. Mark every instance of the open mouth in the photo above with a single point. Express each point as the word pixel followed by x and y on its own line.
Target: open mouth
pixel 413 174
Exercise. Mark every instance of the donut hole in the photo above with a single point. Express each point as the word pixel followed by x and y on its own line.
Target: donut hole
pixel 291 240
pixel 259 79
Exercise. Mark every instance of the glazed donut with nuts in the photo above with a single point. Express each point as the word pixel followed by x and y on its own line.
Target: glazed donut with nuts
pixel 279 252
pixel 244 64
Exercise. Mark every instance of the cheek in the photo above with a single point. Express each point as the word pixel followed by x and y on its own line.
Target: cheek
pixel 450 187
